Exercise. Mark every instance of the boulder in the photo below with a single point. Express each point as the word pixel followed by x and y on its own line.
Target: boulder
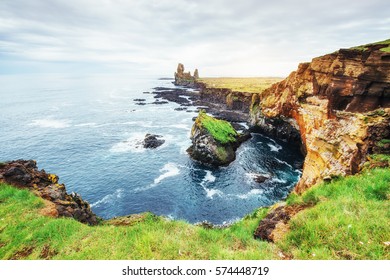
pixel 151 141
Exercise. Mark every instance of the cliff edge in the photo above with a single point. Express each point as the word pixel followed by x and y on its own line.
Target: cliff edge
pixel 338 103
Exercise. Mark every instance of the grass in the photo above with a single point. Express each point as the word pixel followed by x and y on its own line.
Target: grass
pixel 365 47
pixel 222 131
pixel 250 85
pixel 350 220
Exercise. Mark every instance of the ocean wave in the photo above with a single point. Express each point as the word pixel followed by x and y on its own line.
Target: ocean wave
pixel 110 198
pixel 274 148
pixel 51 123
pixel 169 170
pixel 278 180
pixel 211 192
pixel 132 144
pixel 91 124
pixel 283 162
pixel 254 192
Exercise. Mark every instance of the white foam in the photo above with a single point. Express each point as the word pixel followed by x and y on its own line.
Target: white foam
pixel 209 177
pixel 170 169
pixel 274 148
pixel 132 144
pixel 211 192
pixel 283 162
pixel 277 180
pixel 253 192
pixel 50 123
pixel 91 124
pixel 109 198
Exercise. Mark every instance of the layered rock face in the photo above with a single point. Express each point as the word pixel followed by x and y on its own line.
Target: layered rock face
pixel 214 142
pixel 25 174
pixel 339 104
pixel 184 78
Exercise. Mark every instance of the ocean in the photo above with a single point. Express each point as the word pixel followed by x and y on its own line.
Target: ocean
pixel 87 130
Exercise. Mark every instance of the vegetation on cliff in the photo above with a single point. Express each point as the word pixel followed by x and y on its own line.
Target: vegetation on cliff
pixel 348 219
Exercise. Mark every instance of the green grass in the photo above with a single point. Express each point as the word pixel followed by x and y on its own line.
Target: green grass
pixel 250 85
pixel 365 47
pixel 222 131
pixel 350 220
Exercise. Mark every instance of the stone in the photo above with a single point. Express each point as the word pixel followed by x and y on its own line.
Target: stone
pixel 151 141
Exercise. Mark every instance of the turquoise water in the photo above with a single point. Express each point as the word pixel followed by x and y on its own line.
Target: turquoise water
pixel 87 131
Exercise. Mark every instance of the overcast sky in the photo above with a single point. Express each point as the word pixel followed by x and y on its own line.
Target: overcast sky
pixel 221 38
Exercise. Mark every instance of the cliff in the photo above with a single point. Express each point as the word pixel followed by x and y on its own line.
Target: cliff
pixel 338 103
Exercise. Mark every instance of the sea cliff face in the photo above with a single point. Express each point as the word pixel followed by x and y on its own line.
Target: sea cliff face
pixel 340 105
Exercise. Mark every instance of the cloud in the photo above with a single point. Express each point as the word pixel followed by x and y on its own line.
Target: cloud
pixel 232 38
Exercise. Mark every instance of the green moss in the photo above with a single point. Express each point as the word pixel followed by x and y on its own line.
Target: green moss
pixel 221 131
pixel 383 142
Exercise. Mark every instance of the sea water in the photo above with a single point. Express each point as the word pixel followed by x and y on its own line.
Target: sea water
pixel 88 129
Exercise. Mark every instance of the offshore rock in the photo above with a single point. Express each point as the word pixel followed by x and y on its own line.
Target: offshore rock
pixel 151 141
pixel 25 174
pixel 340 106
pixel 184 78
pixel 214 141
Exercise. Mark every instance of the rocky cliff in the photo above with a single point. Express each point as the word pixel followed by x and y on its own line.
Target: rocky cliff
pixel 58 203
pixel 338 103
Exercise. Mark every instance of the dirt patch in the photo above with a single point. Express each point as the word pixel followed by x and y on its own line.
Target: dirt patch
pixel 47 253
pixel 49 210
pixel 275 225
pixel 23 253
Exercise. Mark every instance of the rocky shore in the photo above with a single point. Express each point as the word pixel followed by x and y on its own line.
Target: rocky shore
pixel 58 203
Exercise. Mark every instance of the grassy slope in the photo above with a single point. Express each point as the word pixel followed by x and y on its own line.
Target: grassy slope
pixel 251 85
pixel 351 219
pixel 221 130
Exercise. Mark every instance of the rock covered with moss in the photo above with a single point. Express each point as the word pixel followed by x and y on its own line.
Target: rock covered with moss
pixel 214 141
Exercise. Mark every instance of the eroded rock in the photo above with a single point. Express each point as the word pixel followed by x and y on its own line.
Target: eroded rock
pixel 25 174
pixel 339 105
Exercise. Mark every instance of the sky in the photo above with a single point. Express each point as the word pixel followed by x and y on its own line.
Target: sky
pixel 220 38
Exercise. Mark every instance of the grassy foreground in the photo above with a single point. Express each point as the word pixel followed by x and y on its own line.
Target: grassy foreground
pixel 350 220
pixel 251 85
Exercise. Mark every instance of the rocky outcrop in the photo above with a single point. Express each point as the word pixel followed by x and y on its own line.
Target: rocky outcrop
pixel 25 174
pixel 152 141
pixel 214 141
pixel 184 78
pixel 339 104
